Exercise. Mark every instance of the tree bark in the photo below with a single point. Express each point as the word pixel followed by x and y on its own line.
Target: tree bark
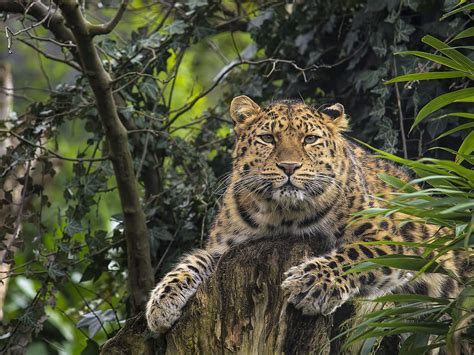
pixel 140 276
pixel 241 309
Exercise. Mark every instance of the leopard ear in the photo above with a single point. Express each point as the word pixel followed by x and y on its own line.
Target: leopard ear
pixel 336 113
pixel 243 111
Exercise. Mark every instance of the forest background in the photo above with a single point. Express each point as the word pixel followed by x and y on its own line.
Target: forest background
pixel 175 66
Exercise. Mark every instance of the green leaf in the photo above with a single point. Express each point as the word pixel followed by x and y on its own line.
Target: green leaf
pixel 396 182
pixel 72 228
pixel 457 129
pixel 435 58
pixel 177 27
pixel 405 262
pixel 451 166
pixel 455 55
pixel 466 8
pixel 360 267
pixel 460 207
pixel 428 76
pixel 462 114
pixel 440 102
pixel 466 148
pixel 418 327
pixel 411 298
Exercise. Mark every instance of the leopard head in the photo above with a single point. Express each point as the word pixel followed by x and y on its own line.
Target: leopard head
pixel 288 152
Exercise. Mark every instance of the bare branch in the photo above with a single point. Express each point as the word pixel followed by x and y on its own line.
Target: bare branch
pixel 228 69
pixel 51 57
pixel 109 26
pixel 10 34
pixel 39 11
pixel 53 153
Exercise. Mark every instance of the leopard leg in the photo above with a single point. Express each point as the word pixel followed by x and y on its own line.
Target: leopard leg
pixel 320 285
pixel 174 290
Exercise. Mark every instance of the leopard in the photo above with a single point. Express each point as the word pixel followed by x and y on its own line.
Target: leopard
pixel 296 173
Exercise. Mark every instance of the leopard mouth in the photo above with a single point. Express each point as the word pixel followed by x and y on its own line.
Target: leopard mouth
pixel 289 186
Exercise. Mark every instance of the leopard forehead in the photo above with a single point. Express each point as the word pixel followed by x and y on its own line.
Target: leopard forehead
pixel 291 118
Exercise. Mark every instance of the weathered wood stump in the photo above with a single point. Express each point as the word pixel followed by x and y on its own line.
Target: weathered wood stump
pixel 241 309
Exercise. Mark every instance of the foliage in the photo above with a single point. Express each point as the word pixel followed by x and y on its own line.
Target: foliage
pixel 175 67
pixel 445 200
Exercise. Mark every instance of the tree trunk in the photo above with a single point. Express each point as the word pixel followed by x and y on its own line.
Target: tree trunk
pixel 241 309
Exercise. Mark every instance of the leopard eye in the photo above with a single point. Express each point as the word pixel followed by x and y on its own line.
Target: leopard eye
pixel 310 139
pixel 267 138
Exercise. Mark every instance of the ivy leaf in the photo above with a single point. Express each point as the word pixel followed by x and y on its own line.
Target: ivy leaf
pixel 161 234
pixel 403 31
pixel 177 27
pixel 94 321
pixel 193 4
pixel 149 88
pixel 437 126
pixel 72 228
pixel 152 41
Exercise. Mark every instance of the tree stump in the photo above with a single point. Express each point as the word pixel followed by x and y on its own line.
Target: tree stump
pixel 241 309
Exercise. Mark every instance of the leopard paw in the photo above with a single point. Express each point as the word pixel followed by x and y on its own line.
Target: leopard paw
pixel 316 287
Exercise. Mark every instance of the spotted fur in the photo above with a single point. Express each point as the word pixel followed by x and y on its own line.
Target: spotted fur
pixel 294 173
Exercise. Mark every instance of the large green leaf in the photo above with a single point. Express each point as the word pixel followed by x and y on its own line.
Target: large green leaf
pixel 406 262
pixel 440 102
pixel 435 58
pixel 452 53
pixel 457 129
pixel 429 76
pixel 466 8
pixel 411 298
pixel 396 182
pixel 462 114
pixel 464 206
pixel 466 148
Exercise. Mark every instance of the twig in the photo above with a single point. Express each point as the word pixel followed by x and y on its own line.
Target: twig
pixel 90 308
pixel 165 17
pixel 46 55
pixel 51 40
pixel 153 58
pixel 142 160
pixel 55 154
pixel 10 34
pixel 43 70
pixel 178 62
pixel 229 68
pixel 109 26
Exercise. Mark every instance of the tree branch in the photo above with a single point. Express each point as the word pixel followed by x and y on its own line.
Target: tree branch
pixel 40 11
pixel 109 26
pixel 53 153
pixel 140 278
pixel 223 73
pixel 51 57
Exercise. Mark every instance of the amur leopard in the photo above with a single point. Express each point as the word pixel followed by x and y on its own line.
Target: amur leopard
pixel 295 173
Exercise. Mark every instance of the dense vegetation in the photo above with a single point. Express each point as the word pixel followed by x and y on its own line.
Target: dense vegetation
pixel 174 67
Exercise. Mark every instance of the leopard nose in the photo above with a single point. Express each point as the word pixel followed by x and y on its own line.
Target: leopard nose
pixel 289 168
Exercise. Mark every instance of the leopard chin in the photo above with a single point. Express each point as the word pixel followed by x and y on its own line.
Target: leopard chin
pixel 289 195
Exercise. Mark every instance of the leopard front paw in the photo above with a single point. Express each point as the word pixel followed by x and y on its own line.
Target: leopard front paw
pixel 164 309
pixel 317 287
